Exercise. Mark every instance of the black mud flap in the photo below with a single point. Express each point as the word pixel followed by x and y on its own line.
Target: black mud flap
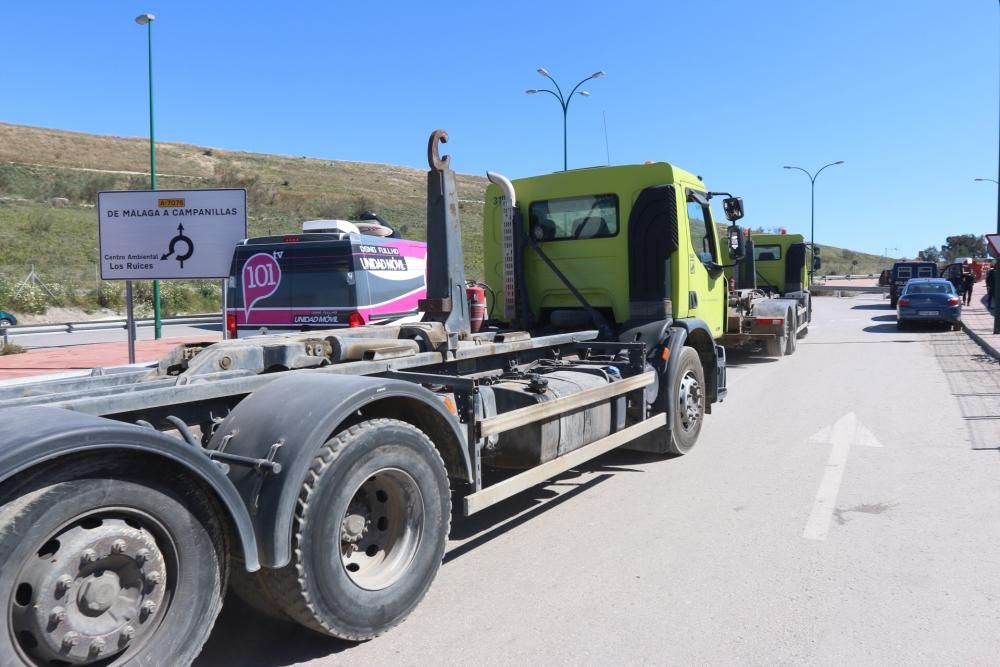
pixel 720 375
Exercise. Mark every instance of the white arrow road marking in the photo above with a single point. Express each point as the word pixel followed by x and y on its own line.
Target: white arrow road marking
pixel 841 435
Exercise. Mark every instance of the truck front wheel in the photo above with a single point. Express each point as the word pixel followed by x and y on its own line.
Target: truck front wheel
pixel 370 532
pixel 108 568
pixel 688 409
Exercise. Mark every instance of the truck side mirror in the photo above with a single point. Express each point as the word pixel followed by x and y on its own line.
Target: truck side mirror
pixel 817 263
pixel 737 242
pixel 733 208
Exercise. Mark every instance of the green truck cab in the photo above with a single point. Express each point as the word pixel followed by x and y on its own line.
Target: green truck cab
pixel 770 304
pixel 637 241
pixel 631 251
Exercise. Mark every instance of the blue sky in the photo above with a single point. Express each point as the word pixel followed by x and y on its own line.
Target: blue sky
pixel 904 91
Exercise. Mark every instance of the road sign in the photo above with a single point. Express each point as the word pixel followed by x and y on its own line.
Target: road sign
pixel 170 233
pixel 994 242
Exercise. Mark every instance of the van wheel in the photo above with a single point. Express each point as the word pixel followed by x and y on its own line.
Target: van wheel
pixel 688 409
pixel 370 532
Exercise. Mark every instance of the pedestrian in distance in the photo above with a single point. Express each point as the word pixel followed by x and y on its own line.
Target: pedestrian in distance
pixel 968 280
pixel 990 276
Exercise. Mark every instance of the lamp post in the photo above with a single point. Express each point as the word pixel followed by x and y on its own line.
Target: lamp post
pixel 147 20
pixel 564 100
pixel 812 210
pixel 996 274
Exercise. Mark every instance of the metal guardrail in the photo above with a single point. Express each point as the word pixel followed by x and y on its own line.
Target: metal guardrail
pixel 873 289
pixel 96 325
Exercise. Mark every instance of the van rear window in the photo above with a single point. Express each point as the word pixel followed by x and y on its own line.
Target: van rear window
pixel 307 277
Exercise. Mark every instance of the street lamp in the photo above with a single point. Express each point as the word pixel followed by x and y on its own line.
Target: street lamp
pixel 996 274
pixel 563 100
pixel 147 20
pixel 812 210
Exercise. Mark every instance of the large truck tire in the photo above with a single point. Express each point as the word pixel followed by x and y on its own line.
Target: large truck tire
pixel 369 533
pixel 775 347
pixel 108 565
pixel 688 410
pixel 792 337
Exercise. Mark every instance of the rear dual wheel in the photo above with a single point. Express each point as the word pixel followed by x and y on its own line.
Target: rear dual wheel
pixel 777 346
pixel 107 568
pixel 370 532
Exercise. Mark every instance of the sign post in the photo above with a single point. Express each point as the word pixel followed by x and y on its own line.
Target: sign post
pixel 168 234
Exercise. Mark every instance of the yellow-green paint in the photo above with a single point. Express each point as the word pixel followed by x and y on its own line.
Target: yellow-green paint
pixel 598 267
pixel 773 271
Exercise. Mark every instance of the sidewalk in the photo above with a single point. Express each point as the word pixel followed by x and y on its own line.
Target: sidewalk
pixel 978 321
pixel 84 357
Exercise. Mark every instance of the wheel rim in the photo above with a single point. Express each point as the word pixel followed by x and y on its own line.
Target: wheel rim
pixel 689 401
pixel 92 590
pixel 381 529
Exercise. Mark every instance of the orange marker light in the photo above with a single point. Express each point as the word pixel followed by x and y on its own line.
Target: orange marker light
pixel 665 355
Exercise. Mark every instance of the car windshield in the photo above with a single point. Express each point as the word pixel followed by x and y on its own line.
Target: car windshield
pixel 931 288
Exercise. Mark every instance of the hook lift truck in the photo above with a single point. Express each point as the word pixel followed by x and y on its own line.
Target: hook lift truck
pixel 770 305
pixel 315 471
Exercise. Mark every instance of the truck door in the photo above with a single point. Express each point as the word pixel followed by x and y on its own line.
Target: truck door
pixel 706 278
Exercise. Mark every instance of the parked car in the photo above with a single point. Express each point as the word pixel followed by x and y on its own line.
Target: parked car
pixel 7 319
pixel 929 300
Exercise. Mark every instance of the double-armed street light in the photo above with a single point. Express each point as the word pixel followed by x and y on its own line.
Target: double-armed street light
pixel 812 210
pixel 564 100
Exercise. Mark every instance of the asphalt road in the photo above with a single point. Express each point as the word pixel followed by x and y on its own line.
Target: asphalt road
pixel 34 341
pixel 841 507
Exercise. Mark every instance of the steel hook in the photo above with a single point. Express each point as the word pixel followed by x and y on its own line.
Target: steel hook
pixel 434 158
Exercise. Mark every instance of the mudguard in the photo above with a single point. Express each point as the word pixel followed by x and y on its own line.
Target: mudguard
pixel 773 308
pixel 713 358
pixel 30 436
pixel 288 420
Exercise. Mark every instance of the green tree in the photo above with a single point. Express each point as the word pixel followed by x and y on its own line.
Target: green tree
pixel 929 254
pixel 964 245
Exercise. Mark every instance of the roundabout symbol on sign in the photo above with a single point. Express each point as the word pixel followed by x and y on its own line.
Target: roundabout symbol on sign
pixel 180 238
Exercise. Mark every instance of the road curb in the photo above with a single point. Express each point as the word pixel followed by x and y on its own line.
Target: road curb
pixel 987 348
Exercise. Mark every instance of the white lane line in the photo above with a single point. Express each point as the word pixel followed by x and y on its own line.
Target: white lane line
pixel 845 432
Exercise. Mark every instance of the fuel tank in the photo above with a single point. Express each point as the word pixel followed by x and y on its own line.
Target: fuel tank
pixel 538 442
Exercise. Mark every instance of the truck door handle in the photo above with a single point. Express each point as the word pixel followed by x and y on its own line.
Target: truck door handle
pixel 692 299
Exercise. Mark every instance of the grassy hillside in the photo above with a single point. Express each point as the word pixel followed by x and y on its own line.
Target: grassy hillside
pixel 49 179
